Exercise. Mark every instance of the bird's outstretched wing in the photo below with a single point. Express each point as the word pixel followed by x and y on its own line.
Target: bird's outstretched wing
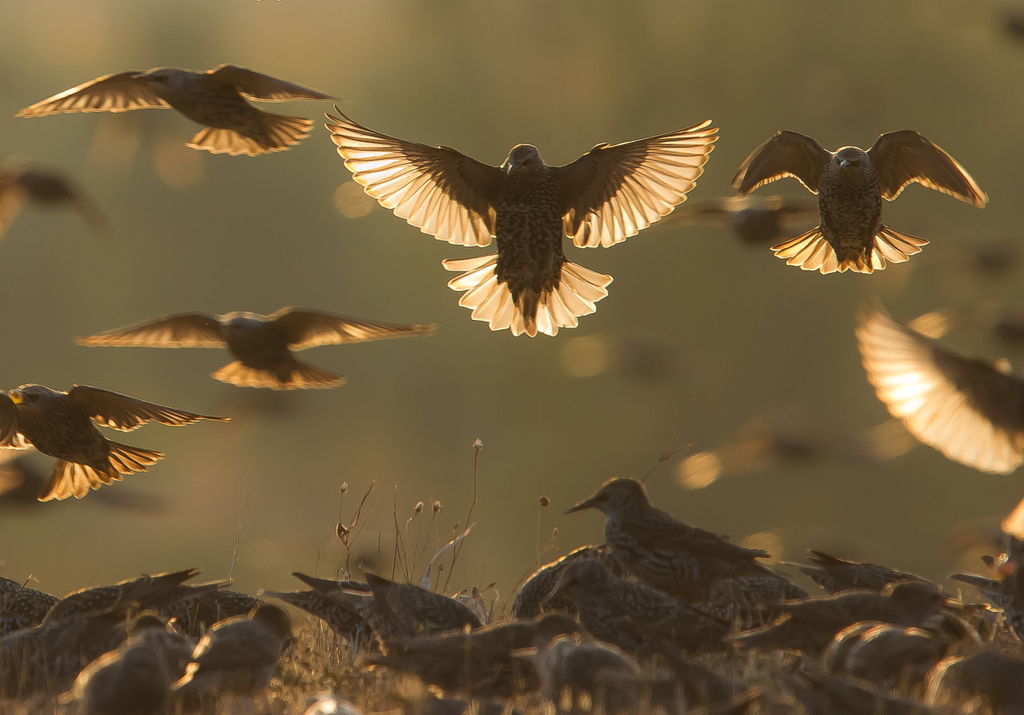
pixel 119 92
pixel 124 413
pixel 965 408
pixel 310 328
pixel 439 190
pixel 785 154
pixel 905 157
pixel 9 436
pixel 263 87
pixel 185 330
pixel 614 191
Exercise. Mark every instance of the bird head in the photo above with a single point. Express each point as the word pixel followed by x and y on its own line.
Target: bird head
pixel 275 619
pixel 849 157
pixel 522 157
pixel 164 77
pixel 615 496
pixel 32 396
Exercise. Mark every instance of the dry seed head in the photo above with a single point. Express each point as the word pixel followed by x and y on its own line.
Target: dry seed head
pixel 343 532
pixel 544 501
pixel 436 505
pixel 344 487
pixel 419 507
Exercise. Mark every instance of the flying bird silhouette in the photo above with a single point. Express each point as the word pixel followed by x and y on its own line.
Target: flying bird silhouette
pixel 263 344
pixel 22 182
pixel 851 184
pixel 60 424
pixel 607 195
pixel 215 98
pixel 968 409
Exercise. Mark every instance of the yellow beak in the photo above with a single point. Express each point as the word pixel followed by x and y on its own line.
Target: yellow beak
pixel 16 396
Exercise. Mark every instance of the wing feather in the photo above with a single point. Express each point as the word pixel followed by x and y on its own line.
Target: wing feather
pixel 124 413
pixel 119 92
pixel 785 154
pixel 906 157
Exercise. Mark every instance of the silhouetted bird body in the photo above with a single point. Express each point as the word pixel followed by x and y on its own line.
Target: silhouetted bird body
pixel 128 681
pixel 836 574
pixel 664 552
pixel 810 625
pixel 533 596
pixel 342 620
pixel 60 424
pixel 263 344
pixel 575 673
pixel 196 607
pixel 989 678
pixel 22 607
pixel 141 593
pixel 215 98
pixel 603 198
pixel 851 184
pixel 48 188
pixel 634 616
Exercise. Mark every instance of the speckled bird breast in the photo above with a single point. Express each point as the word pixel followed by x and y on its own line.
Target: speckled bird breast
pixel 528 210
pixel 255 343
pixel 850 204
pixel 209 102
pixel 63 432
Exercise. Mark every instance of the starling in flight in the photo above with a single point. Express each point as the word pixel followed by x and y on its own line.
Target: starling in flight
pixel 60 424
pixel 851 184
pixel 263 344
pixel 45 187
pixel 215 98
pixel 967 409
pixel 607 195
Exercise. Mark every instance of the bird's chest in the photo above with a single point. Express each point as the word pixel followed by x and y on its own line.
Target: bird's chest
pixel 61 432
pixel 850 204
pixel 210 103
pixel 528 212
pixel 258 347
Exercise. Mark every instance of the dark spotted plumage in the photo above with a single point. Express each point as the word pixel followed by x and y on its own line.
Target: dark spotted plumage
pixel 836 574
pixel 533 595
pixel 809 625
pixel 22 607
pixel 634 616
pixel 342 620
pixel 140 593
pixel 195 608
pixel 851 184
pixel 664 552
pixel 604 197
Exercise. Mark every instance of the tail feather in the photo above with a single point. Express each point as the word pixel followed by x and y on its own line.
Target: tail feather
pixel 296 376
pixel 812 252
pixel 276 132
pixel 578 291
pixel 71 479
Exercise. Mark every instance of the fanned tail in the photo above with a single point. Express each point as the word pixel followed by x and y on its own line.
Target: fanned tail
pixel 293 376
pixel 578 291
pixel 275 132
pixel 71 479
pixel 812 252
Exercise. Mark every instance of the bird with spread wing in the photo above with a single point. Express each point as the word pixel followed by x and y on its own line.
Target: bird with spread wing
pixel 850 184
pixel 60 424
pixel 215 98
pixel 527 206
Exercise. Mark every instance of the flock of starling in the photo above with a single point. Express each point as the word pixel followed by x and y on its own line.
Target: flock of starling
pixel 661 617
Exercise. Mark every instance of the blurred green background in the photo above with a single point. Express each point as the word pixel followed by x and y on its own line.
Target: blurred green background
pixel 700 339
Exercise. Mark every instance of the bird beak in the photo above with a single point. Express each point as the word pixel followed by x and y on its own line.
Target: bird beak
pixel 586 504
pixel 508 167
pixel 16 396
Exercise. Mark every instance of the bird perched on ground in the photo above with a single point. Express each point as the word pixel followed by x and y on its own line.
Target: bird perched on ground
pixel 576 670
pixel 754 220
pixel 215 98
pixel 609 194
pixel 968 409
pixel 478 663
pixel 836 574
pixel 147 591
pixel 21 606
pixel 196 607
pixel 174 649
pixel 48 188
pixel 131 679
pixel 989 677
pixel 263 344
pixel 60 424
pixel 637 618
pixel 851 184
pixel 533 596
pixel 672 556
pixel 810 625
pixel 238 655
pixel 344 621
pixel 396 611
